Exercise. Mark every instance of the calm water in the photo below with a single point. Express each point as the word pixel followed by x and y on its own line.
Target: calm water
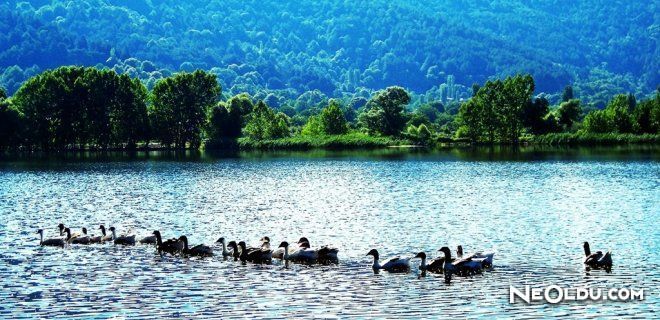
pixel 534 208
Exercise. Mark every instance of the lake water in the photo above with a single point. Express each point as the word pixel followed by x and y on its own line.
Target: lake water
pixel 533 207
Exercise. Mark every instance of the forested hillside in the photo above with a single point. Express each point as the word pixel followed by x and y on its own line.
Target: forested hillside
pixel 309 50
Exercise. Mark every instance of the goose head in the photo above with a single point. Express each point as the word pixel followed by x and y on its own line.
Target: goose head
pixel 373 253
pixel 305 245
pixel 221 240
pixel 84 231
pixel 303 240
pixel 232 244
pixel 243 246
pixel 68 233
pixel 459 250
pixel 587 249
pixel 284 244
pixel 447 253
pixel 420 255
pixel 40 231
pixel 265 240
pixel 102 228
pixel 61 227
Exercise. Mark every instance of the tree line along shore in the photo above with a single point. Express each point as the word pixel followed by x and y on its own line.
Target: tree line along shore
pixel 86 108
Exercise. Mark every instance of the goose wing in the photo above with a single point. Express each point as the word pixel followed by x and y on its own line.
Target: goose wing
pixel 436 265
pixel 201 250
pixel 53 243
pixel 148 240
pixel 593 258
pixel 397 264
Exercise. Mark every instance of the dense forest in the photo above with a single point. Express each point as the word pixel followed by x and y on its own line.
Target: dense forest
pixel 86 108
pixel 300 54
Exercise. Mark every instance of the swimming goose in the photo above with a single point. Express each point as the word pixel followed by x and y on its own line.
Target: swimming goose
pixel 435 266
pixel 234 250
pixel 486 258
pixel 462 267
pixel 394 265
pixel 83 239
pixel 149 240
pixel 105 237
pixel 55 242
pixel 225 253
pixel 302 255
pixel 598 259
pixel 325 253
pixel 122 240
pixel 256 255
pixel 171 246
pixel 199 250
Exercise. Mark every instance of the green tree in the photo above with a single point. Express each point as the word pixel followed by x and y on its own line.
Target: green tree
pixel 646 116
pixel 385 113
pixel 332 119
pixel 431 110
pixel 619 111
pixel 569 112
pixel 313 127
pixel 3 93
pixel 470 120
pixel 10 125
pixel 179 107
pixel 264 123
pixel 597 121
pixel 533 116
pixel 516 95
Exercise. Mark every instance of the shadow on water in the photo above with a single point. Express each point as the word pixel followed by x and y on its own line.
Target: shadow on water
pixel 482 153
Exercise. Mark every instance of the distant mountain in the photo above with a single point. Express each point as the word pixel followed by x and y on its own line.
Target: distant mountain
pixel 338 47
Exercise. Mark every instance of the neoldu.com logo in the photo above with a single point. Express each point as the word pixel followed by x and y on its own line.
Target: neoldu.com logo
pixel 554 294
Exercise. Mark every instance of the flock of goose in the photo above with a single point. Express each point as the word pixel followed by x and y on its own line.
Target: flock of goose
pixel 462 265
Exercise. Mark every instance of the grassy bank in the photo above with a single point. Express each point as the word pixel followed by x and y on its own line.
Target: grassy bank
pixel 592 139
pixel 336 142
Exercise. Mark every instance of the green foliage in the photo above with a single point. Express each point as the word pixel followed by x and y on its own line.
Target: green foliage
pixel 420 134
pixel 3 93
pixel 431 110
pixel 332 119
pixel 313 127
pixel 597 121
pixel 384 113
pixel 569 112
pixel 180 105
pixel 624 115
pixel 263 123
pixel 646 116
pixel 11 126
pixel 593 139
pixel 353 140
pixel 534 116
pixel 618 111
pixel 497 110
pixel 72 106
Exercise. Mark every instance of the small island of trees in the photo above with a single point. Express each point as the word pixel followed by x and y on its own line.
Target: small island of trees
pixel 85 108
